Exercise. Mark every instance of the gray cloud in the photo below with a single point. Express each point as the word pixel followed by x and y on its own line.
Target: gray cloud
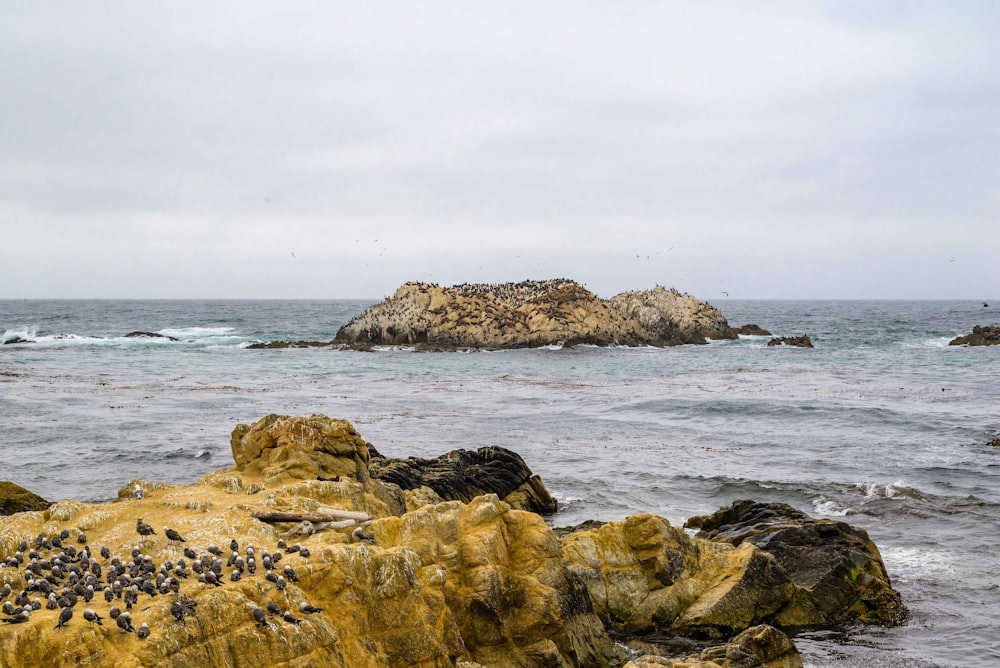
pixel 808 150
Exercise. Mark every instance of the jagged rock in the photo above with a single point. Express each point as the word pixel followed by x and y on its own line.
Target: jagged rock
pixel 464 474
pixel 16 339
pixel 798 341
pixel 149 335
pixel 837 570
pixel 980 336
pixel 531 314
pixel 752 330
pixel 644 575
pixel 16 499
pixel 760 646
pixel 668 317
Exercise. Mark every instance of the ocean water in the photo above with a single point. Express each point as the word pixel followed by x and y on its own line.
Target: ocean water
pixel 882 425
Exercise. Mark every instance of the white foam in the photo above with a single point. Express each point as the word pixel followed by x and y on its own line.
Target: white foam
pixel 188 333
pixel 910 563
pixel 829 508
pixel 900 488
pixel 24 333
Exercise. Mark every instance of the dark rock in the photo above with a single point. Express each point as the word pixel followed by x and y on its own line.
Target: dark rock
pixel 464 474
pixel 836 568
pixel 752 330
pixel 275 345
pixel 586 525
pixel 16 339
pixel 798 341
pixel 16 499
pixel 149 335
pixel 980 336
pixel 995 443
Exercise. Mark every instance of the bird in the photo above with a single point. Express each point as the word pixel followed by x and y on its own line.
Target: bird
pixel 142 528
pixel 173 535
pixel 308 609
pixel 234 545
pixel 273 608
pixel 259 615
pixel 124 622
pixel 289 617
pixel 19 616
pixel 290 573
pixel 143 632
pixel 64 616
pixel 92 617
pixel 137 493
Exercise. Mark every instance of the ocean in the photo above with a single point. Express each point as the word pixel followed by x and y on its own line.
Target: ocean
pixel 882 425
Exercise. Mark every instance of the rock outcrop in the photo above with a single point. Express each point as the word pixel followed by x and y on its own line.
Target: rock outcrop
pixel 16 499
pixel 462 475
pixel 837 571
pixel 532 314
pixel 426 583
pixel 752 330
pixel 980 336
pixel 797 341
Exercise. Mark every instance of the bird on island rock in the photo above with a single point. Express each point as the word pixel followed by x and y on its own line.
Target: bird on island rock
pixel 143 632
pixel 64 616
pixel 124 622
pixel 173 535
pixel 273 608
pixel 92 617
pixel 259 615
pixel 143 529
pixel 307 609
pixel 137 493
pixel 290 618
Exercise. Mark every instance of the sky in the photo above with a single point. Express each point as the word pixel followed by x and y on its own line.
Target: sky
pixel 254 149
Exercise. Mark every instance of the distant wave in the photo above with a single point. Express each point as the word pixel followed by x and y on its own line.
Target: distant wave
pixel 200 336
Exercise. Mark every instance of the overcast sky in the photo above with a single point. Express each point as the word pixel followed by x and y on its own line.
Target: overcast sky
pixel 323 150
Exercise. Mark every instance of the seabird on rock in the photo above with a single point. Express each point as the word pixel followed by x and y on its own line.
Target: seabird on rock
pixel 290 573
pixel 233 545
pixel 105 552
pixel 143 632
pixel 290 618
pixel 362 537
pixel 173 535
pixel 142 528
pixel 308 609
pixel 212 549
pixel 124 622
pixel 259 615
pixel 273 608
pixel 280 584
pixel 114 612
pixel 19 616
pixel 92 617
pixel 137 493
pixel 82 538
pixel 64 616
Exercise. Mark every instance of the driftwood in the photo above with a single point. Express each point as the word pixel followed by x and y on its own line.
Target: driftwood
pixel 318 517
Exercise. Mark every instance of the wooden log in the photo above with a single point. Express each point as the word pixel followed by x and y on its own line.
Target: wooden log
pixel 314 517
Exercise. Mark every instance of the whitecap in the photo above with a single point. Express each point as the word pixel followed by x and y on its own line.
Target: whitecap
pixel 829 507
pixel 919 563
pixel 22 334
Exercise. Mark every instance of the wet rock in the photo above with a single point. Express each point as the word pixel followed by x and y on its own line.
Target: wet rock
pixel 465 474
pixel 752 330
pixel 980 336
pixel 798 341
pixel 760 646
pixel 16 339
pixel 837 571
pixel 149 335
pixel 16 499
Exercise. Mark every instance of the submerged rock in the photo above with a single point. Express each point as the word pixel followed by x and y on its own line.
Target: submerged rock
pixel 150 335
pixel 980 336
pixel 837 571
pixel 798 341
pixel 531 314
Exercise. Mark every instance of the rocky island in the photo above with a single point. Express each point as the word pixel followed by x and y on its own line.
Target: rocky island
pixel 528 314
pixel 313 549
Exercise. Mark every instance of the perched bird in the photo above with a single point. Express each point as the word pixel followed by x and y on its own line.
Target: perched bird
pixel 82 538
pixel 259 615
pixel 212 549
pixel 233 545
pixel 137 493
pixel 273 608
pixel 64 616
pixel 290 573
pixel 304 552
pixel 92 617
pixel 143 632
pixel 173 535
pixel 124 622
pixel 280 584
pixel 115 612
pixel 308 609
pixel 290 618
pixel 143 529
pixel 19 616
pixel 105 552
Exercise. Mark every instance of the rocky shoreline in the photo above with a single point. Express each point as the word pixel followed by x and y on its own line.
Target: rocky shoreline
pixel 384 570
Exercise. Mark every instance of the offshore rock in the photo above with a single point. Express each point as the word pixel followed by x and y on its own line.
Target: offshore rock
pixel 464 474
pixel 980 336
pixel 837 571
pixel 531 314
pixel 797 341
pixel 16 499
pixel 277 345
pixel 752 330
pixel 149 335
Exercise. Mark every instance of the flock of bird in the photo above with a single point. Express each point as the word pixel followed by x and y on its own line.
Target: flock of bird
pixel 58 575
